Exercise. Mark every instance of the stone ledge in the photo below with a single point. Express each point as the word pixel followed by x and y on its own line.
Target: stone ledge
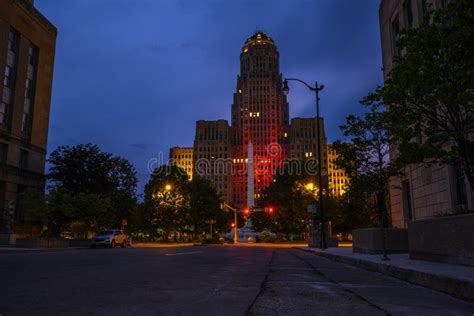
pixel 370 240
pixel 463 289
pixel 444 239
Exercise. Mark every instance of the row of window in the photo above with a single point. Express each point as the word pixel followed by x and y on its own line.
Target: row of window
pixel 23 158
pixel 9 83
pixel 211 134
pixel 340 181
pixel 9 77
pixel 184 163
pixel 183 156
pixel 407 18
pixel 212 149
pixel 337 174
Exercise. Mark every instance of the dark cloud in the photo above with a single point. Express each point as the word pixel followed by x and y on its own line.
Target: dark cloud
pixel 134 76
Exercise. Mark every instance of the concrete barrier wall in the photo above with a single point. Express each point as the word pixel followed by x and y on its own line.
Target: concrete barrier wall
pixel 42 243
pixel 370 240
pixel 8 239
pixel 79 243
pixel 445 239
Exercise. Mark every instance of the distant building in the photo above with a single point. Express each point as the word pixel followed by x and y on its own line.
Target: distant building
pixel 212 155
pixel 182 158
pixel 27 49
pixel 260 116
pixel 303 142
pixel 423 191
pixel 338 179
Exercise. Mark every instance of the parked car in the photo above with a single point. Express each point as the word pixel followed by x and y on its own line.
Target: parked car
pixel 111 238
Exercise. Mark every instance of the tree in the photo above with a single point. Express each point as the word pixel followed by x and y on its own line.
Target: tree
pixel 366 160
pixel 140 222
pixel 167 194
pixel 60 208
pixel 86 169
pixel 91 212
pixel 205 205
pixel 429 93
pixel 289 197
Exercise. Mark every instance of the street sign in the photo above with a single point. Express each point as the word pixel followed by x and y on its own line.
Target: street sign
pixel 311 208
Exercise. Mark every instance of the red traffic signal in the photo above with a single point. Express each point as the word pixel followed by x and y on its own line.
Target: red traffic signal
pixel 269 210
pixel 246 211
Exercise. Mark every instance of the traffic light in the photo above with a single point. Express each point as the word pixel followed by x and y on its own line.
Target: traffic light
pixel 270 210
pixel 246 211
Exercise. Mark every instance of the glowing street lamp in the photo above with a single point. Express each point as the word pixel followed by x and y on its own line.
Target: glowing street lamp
pixel 168 187
pixel 316 88
pixel 310 186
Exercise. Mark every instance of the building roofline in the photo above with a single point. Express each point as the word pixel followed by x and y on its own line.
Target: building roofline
pixel 30 9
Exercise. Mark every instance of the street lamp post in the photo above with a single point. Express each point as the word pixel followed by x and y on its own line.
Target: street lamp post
pixel 316 89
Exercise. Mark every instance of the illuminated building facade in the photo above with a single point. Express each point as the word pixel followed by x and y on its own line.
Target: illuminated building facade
pixel 182 158
pixel 259 115
pixel 27 49
pixel 337 178
pixel 212 155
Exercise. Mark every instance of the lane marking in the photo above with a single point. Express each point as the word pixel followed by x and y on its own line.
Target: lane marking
pixel 182 253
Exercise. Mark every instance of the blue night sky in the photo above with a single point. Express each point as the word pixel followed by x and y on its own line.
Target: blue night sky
pixel 133 76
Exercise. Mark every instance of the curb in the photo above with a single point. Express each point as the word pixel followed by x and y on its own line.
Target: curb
pixel 459 288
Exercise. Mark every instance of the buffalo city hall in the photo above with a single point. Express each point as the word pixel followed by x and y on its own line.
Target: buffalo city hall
pixel 242 159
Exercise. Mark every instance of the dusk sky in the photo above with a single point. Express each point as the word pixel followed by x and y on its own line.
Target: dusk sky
pixel 133 76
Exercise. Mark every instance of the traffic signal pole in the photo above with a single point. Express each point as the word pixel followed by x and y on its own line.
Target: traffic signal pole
pixel 236 235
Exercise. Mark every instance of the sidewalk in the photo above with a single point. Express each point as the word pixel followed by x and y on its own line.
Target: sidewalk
pixel 456 280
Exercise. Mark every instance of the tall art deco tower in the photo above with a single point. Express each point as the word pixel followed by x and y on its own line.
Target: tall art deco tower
pixel 259 117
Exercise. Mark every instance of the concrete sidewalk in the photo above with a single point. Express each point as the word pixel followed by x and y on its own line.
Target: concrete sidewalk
pixel 456 280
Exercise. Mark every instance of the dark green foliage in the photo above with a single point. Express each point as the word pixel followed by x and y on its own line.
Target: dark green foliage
pixel 289 197
pixel 60 208
pixel 174 205
pixel 167 196
pixel 366 160
pixel 430 91
pixel 89 190
pixel 205 204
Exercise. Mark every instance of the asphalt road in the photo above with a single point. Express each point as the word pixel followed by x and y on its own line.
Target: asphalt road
pixel 205 281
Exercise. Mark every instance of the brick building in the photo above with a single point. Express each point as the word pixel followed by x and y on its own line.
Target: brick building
pixel 212 155
pixel 182 157
pixel 27 49
pixel 338 179
pixel 303 141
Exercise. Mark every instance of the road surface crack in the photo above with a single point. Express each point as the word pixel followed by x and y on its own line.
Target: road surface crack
pixel 342 286
pixel 263 285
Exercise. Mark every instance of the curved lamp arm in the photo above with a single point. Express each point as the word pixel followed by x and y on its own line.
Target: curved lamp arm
pixel 315 88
